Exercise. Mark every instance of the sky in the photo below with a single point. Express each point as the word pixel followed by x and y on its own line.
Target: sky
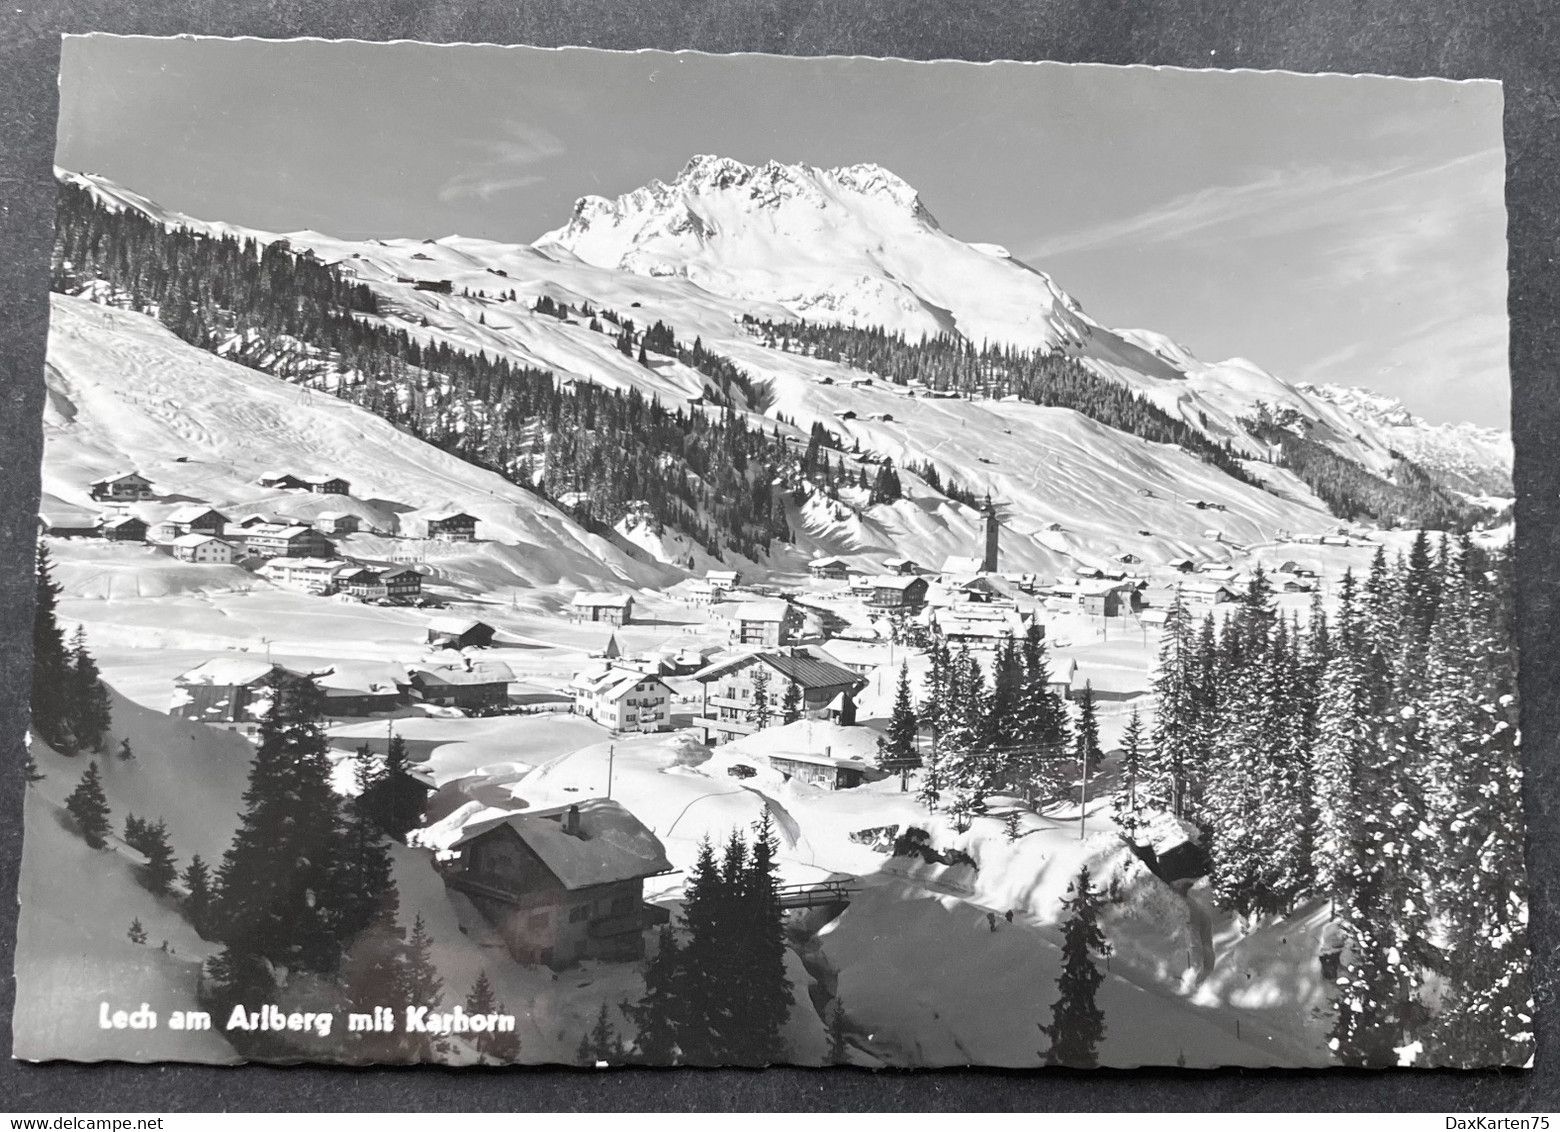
pixel 1330 228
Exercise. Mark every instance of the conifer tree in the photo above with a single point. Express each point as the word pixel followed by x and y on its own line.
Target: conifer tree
pixel 137 933
pixel 88 805
pixel 759 713
pixel 897 748
pixel 791 702
pixel 1077 1023
pixel 198 895
pixel 53 675
pixel 90 715
pixel 420 985
pixel 1086 738
pixel 1127 806
pixel 126 754
pixel 1175 723
pixel 601 1043
pixel 501 1046
pixel 160 869
pixel 276 879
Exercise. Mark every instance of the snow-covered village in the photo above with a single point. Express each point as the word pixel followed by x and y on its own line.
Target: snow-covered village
pixel 745 624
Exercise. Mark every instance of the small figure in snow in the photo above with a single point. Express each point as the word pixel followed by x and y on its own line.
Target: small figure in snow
pixel 991 920
pixel 1009 915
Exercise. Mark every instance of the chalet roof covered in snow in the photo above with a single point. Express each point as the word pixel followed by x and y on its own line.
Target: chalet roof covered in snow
pixel 120 522
pixel 896 581
pixel 456 626
pixel 228 671
pixel 584 600
pixel 962 564
pixel 611 844
pixel 194 540
pixel 825 563
pixel 117 477
pixel 191 512
pixel 482 672
pixel 761 611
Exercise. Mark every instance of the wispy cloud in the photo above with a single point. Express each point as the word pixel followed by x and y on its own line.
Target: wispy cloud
pixel 1270 203
pixel 505 163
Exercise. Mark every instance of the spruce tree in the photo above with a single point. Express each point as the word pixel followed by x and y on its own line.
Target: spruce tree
pixel 198 895
pixel 160 870
pixel 600 1044
pixel 1086 738
pixel 1077 1023
pixel 897 748
pixel 277 878
pixel 137 933
pixel 791 702
pixel 1174 738
pixel 90 716
pixel 1127 806
pixel 420 985
pixel 759 713
pixel 126 754
pixel 501 1046
pixel 88 805
pixel 53 680
pixel 763 989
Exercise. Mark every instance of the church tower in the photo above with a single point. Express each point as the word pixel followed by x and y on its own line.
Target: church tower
pixel 992 527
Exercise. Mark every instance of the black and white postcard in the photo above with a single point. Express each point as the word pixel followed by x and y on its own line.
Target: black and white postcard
pixel 630 558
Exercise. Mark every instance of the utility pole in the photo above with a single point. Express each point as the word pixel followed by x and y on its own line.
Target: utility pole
pixel 611 756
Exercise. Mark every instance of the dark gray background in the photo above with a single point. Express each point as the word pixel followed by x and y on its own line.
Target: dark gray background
pixel 1517 42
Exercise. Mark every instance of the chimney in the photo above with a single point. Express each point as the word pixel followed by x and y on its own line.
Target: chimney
pixel 571 821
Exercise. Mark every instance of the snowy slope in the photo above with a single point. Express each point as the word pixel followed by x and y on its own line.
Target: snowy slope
pixel 125 393
pixel 723 240
pixel 856 245
pixel 1469 457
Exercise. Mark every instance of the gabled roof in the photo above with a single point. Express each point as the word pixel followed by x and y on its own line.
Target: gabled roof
pixel 451 516
pixel 190 512
pixel 228 671
pixel 821 563
pixel 603 600
pixel 332 515
pixel 962 564
pixel 277 530
pixel 483 672
pixel 896 581
pixel 305 564
pixel 762 611
pixel 195 540
pixel 800 668
pixel 613 845
pixel 117 476
pixel 121 521
pixel 458 626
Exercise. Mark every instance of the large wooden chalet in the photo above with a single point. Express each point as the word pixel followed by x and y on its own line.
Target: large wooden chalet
pixel 125 528
pixel 609 609
pixel 897 593
pixel 402 583
pixel 827 691
pixel 481 686
pixel 562 884
pixel 191 520
pixel 121 487
pixel 273 540
pixel 459 633
pixel 453 526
